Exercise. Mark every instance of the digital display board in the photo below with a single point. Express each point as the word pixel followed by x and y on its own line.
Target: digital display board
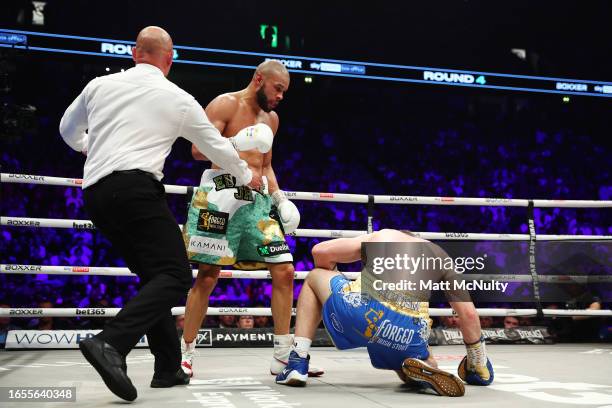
pixel 103 47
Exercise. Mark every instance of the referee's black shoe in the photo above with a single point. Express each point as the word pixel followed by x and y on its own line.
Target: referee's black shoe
pixel 111 366
pixel 167 380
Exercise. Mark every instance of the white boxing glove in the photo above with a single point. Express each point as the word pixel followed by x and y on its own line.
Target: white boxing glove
pixel 257 137
pixel 288 212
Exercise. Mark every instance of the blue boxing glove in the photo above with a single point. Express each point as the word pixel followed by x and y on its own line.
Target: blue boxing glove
pixel 476 368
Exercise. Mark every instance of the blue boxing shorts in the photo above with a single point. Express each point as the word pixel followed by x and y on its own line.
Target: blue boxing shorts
pixel 391 335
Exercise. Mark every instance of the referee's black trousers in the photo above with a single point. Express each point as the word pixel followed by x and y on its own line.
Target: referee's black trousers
pixel 131 210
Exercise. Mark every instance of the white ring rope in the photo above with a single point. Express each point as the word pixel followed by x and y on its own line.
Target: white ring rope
pixel 318 233
pixel 265 311
pixel 120 271
pixel 347 198
pixel 265 274
pixel 310 196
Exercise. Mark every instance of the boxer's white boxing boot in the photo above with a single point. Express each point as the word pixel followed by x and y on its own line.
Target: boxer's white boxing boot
pixel 187 354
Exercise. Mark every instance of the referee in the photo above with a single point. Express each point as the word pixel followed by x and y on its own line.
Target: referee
pixel 126 124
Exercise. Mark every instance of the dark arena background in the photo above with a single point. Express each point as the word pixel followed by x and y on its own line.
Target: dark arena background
pixel 461 121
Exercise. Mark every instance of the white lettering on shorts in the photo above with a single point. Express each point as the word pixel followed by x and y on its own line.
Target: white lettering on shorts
pixel 209 246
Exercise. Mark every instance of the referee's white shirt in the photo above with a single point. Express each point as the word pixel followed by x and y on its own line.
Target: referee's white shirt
pixel 132 119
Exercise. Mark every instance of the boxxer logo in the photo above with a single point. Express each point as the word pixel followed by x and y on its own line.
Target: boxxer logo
pixel 26 177
pixel 233 310
pixel 29 268
pixel 404 198
pixel 23 223
pixel 17 312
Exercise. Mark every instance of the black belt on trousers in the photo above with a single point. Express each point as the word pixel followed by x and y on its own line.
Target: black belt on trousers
pixel 133 172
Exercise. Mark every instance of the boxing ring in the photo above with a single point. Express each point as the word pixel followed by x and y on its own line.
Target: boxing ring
pixel 538 376
pixel 546 375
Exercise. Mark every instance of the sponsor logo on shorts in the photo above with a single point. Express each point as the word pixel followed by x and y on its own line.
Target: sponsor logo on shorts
pixel 209 246
pixel 224 181
pixel 90 312
pixel 273 249
pixel 213 221
pixel 243 193
pixel 394 333
pixel 336 323
pixel 372 317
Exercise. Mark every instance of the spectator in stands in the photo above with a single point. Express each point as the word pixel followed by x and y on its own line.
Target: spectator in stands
pixel 486 322
pixel 44 322
pixel 262 321
pixel 448 322
pixel 246 322
pixel 510 322
pixel 227 321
